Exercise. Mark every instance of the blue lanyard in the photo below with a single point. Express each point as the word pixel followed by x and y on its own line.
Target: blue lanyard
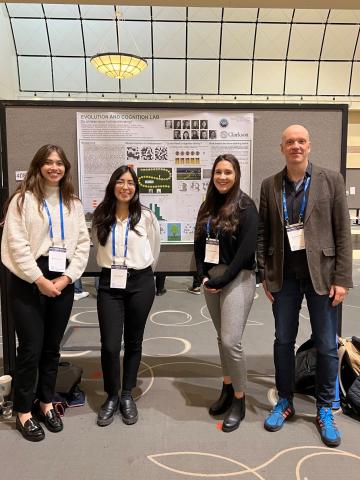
pixel 303 202
pixel 51 233
pixel 208 229
pixel 113 228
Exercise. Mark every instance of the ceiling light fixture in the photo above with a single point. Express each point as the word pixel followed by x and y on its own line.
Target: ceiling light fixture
pixel 117 64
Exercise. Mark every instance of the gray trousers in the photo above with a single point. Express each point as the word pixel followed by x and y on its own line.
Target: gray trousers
pixel 229 310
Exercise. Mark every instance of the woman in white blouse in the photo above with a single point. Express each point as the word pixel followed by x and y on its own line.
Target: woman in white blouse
pixel 128 238
pixel 45 246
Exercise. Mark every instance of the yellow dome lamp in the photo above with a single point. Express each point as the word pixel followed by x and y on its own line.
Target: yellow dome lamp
pixel 118 65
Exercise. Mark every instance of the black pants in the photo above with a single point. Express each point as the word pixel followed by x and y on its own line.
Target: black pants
pixel 40 323
pixel 196 281
pixel 123 310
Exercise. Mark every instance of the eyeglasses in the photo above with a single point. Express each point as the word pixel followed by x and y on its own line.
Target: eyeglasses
pixel 125 183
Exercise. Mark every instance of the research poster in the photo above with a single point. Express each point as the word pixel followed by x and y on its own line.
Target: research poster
pixel 172 152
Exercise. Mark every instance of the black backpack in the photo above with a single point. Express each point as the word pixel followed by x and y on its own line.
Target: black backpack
pixel 305 368
pixel 349 373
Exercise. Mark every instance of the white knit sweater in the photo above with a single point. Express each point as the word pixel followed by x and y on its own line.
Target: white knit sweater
pixel 26 236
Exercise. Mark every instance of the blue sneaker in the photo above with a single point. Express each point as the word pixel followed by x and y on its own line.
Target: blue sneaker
pixel 329 432
pixel 282 411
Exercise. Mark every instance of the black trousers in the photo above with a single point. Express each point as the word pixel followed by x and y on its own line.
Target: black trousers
pixel 40 323
pixel 123 310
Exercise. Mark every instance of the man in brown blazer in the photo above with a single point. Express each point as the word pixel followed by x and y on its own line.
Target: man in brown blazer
pixel 304 249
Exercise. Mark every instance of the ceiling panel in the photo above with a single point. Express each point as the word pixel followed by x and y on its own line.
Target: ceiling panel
pixel 69 74
pixel 344 16
pixel 355 83
pixel 235 77
pixel 25 9
pixel 61 11
pixel 169 76
pixel 301 78
pixel 135 13
pixel 97 82
pixel 204 14
pixel 268 78
pixel 271 41
pixel 238 40
pixel 97 11
pixel 203 40
pixel 169 39
pixel 99 36
pixel 357 51
pixel 65 37
pixel 169 13
pixel 339 42
pixel 140 84
pixel 240 14
pixel 30 79
pixel 31 36
pixel 202 76
pixel 334 78
pixel 305 42
pixel 310 15
pixel 275 14
pixel 135 37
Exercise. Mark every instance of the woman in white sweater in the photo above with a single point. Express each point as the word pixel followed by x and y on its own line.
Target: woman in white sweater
pixel 45 246
pixel 128 239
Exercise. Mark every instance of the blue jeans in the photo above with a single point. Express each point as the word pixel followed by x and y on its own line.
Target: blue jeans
pixel 323 319
pixel 78 286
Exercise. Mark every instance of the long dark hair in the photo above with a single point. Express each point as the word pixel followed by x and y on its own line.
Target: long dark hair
pixel 34 181
pixel 223 209
pixel 105 212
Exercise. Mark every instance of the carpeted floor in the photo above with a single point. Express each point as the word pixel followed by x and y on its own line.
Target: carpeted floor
pixel 179 377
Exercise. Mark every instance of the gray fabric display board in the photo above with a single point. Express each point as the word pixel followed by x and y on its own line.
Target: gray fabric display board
pixel 26 126
pixel 30 125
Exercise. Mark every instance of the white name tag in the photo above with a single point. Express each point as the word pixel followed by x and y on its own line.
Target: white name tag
pixel 57 259
pixel 212 251
pixel 296 236
pixel 118 276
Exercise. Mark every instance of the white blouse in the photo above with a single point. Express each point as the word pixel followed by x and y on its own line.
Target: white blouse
pixel 142 250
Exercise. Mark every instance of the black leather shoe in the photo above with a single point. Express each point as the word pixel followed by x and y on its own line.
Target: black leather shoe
pixel 223 403
pixel 107 411
pixel 128 410
pixel 50 419
pixel 235 414
pixel 31 430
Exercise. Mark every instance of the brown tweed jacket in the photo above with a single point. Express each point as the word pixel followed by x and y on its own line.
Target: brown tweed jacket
pixel 326 227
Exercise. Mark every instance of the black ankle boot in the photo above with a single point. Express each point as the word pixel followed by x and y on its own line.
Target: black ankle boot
pixel 235 414
pixel 223 403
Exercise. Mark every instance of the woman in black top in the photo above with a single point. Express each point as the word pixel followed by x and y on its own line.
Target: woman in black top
pixel 225 242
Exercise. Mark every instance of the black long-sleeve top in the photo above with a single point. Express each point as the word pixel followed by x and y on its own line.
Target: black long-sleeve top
pixel 236 249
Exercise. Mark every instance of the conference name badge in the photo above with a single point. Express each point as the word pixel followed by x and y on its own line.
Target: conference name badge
pixel 57 259
pixel 296 236
pixel 212 251
pixel 118 276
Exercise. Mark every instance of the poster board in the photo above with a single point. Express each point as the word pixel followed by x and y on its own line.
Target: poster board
pixel 28 125
pixel 172 152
